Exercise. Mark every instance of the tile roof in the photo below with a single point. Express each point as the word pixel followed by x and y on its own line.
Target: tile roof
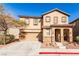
pixel 56 9
pixel 29 16
pixel 64 25
pixel 74 21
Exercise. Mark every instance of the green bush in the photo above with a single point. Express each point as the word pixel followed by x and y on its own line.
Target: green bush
pixel 1 42
pixel 10 38
pixel 77 39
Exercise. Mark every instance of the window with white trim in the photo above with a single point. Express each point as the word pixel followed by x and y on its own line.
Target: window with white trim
pixel 63 19
pixel 35 21
pixel 27 21
pixel 47 18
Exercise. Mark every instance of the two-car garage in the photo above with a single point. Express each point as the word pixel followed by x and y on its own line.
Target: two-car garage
pixel 32 36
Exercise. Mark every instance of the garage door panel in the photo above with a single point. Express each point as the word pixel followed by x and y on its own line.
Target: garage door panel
pixel 31 36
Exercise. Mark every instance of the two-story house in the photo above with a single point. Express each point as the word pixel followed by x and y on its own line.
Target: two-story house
pixel 49 28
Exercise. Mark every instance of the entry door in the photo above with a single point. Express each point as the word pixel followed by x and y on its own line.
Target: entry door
pixel 66 35
pixel 57 35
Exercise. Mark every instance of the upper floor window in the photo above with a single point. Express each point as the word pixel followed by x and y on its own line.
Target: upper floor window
pixel 47 18
pixel 63 19
pixel 55 20
pixel 27 21
pixel 35 21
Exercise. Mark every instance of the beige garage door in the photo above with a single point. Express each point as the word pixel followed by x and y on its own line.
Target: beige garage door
pixel 31 36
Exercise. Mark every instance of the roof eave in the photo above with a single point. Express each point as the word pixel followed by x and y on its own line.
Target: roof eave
pixel 56 9
pixel 29 16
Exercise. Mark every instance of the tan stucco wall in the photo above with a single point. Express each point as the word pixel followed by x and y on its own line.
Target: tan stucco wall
pixel 31 30
pixel 47 41
pixel 71 34
pixel 31 25
pixel 52 15
pixel 44 33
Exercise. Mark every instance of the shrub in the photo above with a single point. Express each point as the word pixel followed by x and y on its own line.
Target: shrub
pixel 2 39
pixel 12 37
pixel 77 39
pixel 9 38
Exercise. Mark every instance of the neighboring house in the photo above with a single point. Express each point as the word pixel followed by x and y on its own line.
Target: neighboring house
pixel 76 28
pixel 49 28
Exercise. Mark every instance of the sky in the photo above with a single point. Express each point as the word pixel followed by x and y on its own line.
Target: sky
pixel 37 9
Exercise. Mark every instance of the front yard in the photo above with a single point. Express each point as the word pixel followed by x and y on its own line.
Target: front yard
pixel 25 48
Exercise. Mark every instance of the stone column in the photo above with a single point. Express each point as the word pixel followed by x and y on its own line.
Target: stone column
pixel 71 35
pixel 53 36
pixel 62 35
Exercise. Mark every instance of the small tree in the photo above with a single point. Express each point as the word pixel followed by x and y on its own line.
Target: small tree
pixel 3 23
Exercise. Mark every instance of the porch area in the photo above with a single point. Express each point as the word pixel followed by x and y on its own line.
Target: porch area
pixel 60 36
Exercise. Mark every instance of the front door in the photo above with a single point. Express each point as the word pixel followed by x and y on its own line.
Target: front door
pixel 57 35
pixel 66 35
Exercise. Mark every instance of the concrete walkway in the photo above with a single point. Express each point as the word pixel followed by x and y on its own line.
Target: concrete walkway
pixel 23 48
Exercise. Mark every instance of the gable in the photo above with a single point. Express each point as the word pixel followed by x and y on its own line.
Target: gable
pixel 55 13
pixel 57 10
